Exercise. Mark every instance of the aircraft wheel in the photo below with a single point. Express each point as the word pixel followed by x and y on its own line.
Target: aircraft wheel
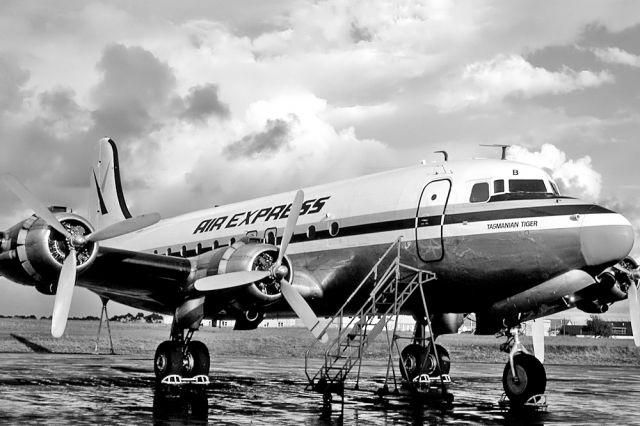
pixel 531 378
pixel 198 360
pixel 168 359
pixel 412 360
pixel 431 365
pixel 445 360
pixel 420 360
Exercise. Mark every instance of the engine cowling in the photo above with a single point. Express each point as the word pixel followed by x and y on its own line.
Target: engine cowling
pixel 446 323
pixel 611 286
pixel 248 256
pixel 36 251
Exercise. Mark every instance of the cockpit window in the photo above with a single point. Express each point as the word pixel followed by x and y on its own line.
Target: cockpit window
pixel 479 193
pixel 554 187
pixel 527 185
pixel 498 186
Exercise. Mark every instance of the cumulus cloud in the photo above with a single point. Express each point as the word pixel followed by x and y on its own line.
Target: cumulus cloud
pixel 12 81
pixel 576 178
pixel 61 113
pixel 490 81
pixel 203 102
pixel 135 88
pixel 282 143
pixel 614 55
pixel 132 75
pixel 273 138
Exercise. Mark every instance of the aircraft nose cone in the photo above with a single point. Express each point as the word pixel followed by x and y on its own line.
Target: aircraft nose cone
pixel 605 238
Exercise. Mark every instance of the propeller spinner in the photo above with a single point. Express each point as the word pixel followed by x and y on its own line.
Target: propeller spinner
pixel 67 277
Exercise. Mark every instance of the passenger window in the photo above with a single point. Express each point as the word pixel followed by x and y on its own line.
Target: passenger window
pixel 216 244
pixel 169 251
pixel 498 186
pixel 334 228
pixel 232 241
pixel 479 193
pixel 527 185
pixel 183 251
pixel 199 248
pixel 311 232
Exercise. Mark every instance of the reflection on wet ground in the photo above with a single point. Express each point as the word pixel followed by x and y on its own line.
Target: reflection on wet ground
pixel 43 388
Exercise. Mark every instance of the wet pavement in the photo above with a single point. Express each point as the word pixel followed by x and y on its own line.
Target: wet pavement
pixel 46 388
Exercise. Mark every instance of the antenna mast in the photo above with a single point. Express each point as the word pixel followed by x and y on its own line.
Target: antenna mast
pixel 504 149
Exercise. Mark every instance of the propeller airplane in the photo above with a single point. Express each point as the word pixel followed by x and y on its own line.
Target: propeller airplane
pixel 502 240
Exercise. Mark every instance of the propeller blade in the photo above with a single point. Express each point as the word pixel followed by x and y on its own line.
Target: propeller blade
pixel 291 225
pixel 34 204
pixel 230 280
pixel 124 227
pixel 538 339
pixel 302 310
pixel 634 312
pixel 62 303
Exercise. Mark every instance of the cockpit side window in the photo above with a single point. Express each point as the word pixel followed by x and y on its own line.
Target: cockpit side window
pixel 554 187
pixel 498 186
pixel 527 185
pixel 479 193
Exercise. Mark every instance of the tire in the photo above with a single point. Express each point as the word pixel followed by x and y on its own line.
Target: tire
pixel 416 356
pixel 168 360
pixel 445 360
pixel 532 378
pixel 412 361
pixel 198 360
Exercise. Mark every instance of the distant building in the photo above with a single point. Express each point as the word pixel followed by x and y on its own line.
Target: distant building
pixel 621 329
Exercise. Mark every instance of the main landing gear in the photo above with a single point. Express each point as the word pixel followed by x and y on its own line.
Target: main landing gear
pixel 181 356
pixel 420 357
pixel 524 377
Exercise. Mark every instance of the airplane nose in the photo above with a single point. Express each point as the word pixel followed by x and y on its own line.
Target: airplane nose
pixel 605 238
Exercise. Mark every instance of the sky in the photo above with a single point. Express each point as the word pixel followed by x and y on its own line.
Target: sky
pixel 213 102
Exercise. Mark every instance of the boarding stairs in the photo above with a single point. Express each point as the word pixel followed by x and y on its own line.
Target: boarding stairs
pixel 393 285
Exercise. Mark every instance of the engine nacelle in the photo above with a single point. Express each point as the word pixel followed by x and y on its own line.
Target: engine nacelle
pixel 36 251
pixel 611 286
pixel 446 323
pixel 247 256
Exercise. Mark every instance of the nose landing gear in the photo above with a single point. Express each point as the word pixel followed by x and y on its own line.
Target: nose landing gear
pixel 524 377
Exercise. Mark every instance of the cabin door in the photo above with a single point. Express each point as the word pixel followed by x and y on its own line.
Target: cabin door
pixel 430 220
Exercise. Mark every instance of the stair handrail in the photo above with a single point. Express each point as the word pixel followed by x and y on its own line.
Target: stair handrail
pixel 340 312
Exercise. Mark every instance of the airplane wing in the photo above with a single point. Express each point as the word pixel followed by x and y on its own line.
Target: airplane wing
pixel 147 281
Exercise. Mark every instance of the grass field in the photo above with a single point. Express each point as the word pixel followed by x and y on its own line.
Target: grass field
pixel 138 338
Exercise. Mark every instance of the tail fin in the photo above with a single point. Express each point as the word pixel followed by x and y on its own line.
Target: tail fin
pixel 107 205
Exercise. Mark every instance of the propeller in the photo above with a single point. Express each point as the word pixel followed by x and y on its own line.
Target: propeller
pixel 537 330
pixel 277 270
pixel 230 280
pixel 62 302
pixel 67 278
pixel 634 311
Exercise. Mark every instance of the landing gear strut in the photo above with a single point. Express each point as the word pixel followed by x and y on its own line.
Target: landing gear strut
pixel 104 315
pixel 181 356
pixel 524 376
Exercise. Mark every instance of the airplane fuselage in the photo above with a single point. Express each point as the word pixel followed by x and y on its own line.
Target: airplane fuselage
pixel 489 229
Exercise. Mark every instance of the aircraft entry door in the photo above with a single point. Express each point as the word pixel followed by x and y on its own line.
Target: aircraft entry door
pixel 430 220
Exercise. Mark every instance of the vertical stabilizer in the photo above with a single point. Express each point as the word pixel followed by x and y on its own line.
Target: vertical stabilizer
pixel 107 205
